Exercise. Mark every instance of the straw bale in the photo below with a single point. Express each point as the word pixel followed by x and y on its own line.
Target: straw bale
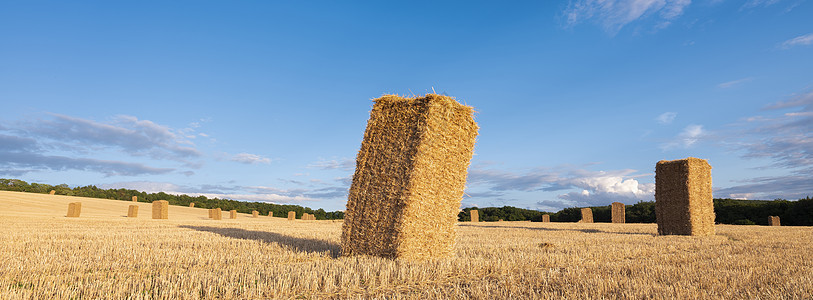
pixel 291 215
pixel 475 215
pixel 546 218
pixel 217 214
pixel 683 197
pixel 191 204
pixel 587 215
pixel 52 192
pixel 619 211
pixel 774 221
pixel 132 212
pixel 501 220
pixel 211 213
pixel 255 214
pixel 74 209
pixel 233 214
pixel 270 213
pixel 160 209
pixel 409 180
pixel 135 198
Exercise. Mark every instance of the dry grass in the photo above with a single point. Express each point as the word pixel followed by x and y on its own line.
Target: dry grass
pixel 48 256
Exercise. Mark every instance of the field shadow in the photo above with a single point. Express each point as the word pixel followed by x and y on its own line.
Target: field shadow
pixel 558 229
pixel 295 243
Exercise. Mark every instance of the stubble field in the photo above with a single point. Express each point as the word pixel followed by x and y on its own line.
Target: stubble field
pixel 104 254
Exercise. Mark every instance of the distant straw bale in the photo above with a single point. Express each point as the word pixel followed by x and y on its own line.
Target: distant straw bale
pixel 683 197
pixel 270 213
pixel 619 211
pixel 233 214
pixel 587 215
pixel 191 204
pixel 409 180
pixel 74 209
pixel 52 192
pixel 135 198
pixel 475 215
pixel 211 213
pixel 255 214
pixel 132 212
pixel 545 218
pixel 217 214
pixel 291 215
pixel 774 221
pixel 160 209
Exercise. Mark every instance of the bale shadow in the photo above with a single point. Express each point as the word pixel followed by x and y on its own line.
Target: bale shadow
pixel 295 243
pixel 558 229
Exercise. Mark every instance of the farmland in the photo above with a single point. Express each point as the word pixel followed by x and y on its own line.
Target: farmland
pixel 104 254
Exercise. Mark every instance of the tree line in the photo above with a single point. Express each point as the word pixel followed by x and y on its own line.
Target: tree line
pixel 728 211
pixel 280 210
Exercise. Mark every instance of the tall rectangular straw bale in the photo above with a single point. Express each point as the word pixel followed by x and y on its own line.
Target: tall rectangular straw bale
pixel 545 218
pixel 211 213
pixel 74 209
pixel 409 180
pixel 191 204
pixel 270 213
pixel 475 215
pixel 291 215
pixel 233 214
pixel 135 199
pixel 217 214
pixel 619 211
pixel 774 221
pixel 587 215
pixel 52 192
pixel 132 212
pixel 683 197
pixel 255 213
pixel 160 209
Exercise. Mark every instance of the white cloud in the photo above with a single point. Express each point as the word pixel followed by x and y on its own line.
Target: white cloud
pixel 615 14
pixel 686 139
pixel 802 40
pixel 733 83
pixel 666 118
pixel 248 158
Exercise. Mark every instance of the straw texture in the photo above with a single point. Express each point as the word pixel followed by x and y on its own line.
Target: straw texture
pixel 74 209
pixel 619 211
pixel 409 180
pixel 191 204
pixel 255 214
pixel 774 221
pixel 233 214
pixel 545 218
pixel 587 215
pixel 475 216
pixel 132 212
pixel 211 213
pixel 160 209
pixel 683 197
pixel 291 215
pixel 270 213
pixel 135 198
pixel 217 214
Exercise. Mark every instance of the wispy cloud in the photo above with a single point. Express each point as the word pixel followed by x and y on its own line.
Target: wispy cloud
pixel 248 158
pixel 687 138
pixel 733 83
pixel 615 14
pixel 802 40
pixel 666 118
pixel 344 164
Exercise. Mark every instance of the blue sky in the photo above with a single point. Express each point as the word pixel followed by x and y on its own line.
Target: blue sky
pixel 266 101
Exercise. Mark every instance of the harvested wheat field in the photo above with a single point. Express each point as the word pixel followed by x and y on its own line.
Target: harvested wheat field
pixel 104 254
